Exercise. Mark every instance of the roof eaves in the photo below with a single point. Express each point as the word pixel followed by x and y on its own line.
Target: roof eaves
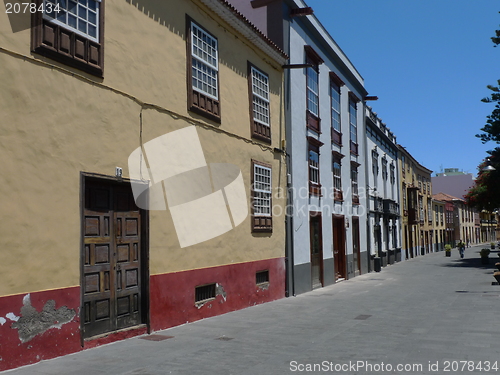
pixel 237 20
pixel 330 43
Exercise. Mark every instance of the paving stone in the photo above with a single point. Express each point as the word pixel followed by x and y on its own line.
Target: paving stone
pixel 422 311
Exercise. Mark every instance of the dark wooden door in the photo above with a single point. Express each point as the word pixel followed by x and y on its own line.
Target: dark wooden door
pixel 377 233
pixel 111 274
pixel 339 247
pixel 316 251
pixel 355 246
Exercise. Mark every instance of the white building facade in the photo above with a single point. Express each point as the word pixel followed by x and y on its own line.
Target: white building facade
pixel 324 104
pixel 324 98
pixel 382 176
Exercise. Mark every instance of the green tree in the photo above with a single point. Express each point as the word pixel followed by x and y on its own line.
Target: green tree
pixel 496 39
pixel 491 131
pixel 485 193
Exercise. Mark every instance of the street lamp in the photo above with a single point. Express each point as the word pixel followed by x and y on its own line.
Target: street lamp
pixel 488 167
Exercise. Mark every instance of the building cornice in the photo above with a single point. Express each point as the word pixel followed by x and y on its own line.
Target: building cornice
pixel 241 24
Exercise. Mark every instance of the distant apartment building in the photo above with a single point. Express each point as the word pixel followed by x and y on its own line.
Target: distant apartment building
pixel 472 225
pixel 453 182
pixel 416 208
pixel 383 181
pixel 461 220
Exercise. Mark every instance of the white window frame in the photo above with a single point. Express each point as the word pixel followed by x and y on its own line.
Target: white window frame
pixel 392 169
pixel 337 178
pixel 313 168
pixel 66 25
pixel 208 61
pixel 354 180
pixel 384 175
pixel 375 168
pixel 335 106
pixel 262 190
pixel 260 100
pixel 310 90
pixel 353 121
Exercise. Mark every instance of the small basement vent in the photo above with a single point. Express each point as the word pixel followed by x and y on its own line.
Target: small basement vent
pixel 204 292
pixel 262 277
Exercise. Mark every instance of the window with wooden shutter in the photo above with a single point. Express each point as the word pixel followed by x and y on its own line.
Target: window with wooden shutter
pixel 337 176
pixel 354 183
pixel 312 88
pixel 202 72
pixel 260 117
pixel 70 32
pixel 335 84
pixel 314 166
pixel 262 218
pixel 353 123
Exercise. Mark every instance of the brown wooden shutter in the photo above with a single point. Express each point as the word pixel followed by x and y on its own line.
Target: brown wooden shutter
pixel 63 45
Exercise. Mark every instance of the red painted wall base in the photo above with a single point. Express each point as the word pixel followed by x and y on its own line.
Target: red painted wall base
pixel 172 302
pixel 173 294
pixel 53 342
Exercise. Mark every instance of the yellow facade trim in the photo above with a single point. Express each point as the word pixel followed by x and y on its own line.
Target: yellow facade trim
pixel 39 291
pixel 219 265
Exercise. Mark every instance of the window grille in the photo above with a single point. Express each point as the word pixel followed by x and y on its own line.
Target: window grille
pixel 260 90
pixel 80 16
pixel 314 166
pixel 204 61
pixel 262 190
pixel 262 277
pixel 335 104
pixel 313 91
pixel 204 292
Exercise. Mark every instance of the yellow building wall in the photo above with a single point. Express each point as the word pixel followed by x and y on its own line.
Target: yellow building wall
pixel 57 122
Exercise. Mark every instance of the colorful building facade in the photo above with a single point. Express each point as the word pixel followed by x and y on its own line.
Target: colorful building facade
pixel 144 176
pixel 439 224
pixel 417 211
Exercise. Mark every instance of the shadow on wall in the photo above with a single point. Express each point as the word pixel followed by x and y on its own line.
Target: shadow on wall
pixel 161 12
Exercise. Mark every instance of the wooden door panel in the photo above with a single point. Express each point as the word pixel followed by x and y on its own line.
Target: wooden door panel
pixel 339 256
pixel 128 265
pixel 316 246
pixel 111 280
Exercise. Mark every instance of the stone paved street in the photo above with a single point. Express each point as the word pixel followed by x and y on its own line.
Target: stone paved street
pixel 422 312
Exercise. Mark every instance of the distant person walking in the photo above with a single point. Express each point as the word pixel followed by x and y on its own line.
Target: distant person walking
pixel 461 248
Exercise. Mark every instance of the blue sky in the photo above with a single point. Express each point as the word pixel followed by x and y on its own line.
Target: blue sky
pixel 429 62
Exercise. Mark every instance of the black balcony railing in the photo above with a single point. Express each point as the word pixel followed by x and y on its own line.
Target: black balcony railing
pixel 390 207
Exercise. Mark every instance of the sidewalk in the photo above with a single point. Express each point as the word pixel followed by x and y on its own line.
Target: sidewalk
pixel 411 317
